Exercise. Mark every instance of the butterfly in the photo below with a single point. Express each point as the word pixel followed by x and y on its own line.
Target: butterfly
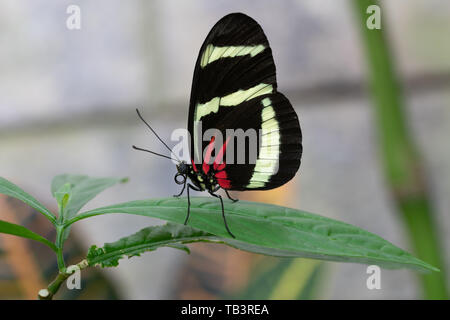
pixel 234 89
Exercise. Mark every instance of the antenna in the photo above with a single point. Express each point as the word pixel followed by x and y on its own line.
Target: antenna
pixel 158 154
pixel 139 114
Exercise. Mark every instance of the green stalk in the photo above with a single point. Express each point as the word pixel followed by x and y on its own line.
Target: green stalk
pixel 402 163
pixel 59 245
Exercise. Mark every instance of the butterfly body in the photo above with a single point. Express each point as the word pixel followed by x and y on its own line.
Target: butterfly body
pixel 201 180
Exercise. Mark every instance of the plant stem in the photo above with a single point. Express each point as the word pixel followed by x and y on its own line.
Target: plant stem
pixel 59 245
pixel 53 287
pixel 402 163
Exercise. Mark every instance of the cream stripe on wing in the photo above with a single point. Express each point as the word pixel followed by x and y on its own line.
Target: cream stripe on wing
pixel 269 150
pixel 213 53
pixel 231 100
pixel 255 184
pixel 235 98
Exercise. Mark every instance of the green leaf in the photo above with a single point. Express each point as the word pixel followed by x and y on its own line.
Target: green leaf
pixel 148 239
pixel 403 165
pixel 20 231
pixel 74 191
pixel 14 191
pixel 81 189
pixel 62 197
pixel 274 230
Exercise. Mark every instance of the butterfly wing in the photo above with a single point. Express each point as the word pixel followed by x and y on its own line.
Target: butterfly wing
pixel 271 125
pixel 234 87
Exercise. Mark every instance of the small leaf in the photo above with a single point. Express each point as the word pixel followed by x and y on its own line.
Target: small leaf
pixel 148 239
pixel 62 197
pixel 14 191
pixel 274 230
pixel 83 189
pixel 20 231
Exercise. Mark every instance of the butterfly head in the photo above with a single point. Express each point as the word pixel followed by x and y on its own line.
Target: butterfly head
pixel 182 172
pixel 183 168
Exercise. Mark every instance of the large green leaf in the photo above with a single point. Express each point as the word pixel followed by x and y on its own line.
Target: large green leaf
pixel 274 230
pixel 20 231
pixel 10 189
pixel 77 190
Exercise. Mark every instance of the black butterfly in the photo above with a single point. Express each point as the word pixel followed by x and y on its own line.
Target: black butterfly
pixel 234 87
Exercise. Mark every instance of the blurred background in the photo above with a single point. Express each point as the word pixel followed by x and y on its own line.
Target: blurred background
pixel 67 105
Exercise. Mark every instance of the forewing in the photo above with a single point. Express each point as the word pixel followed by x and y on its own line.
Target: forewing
pixel 234 65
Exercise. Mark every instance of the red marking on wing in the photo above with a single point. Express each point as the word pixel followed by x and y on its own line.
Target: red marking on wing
pixel 224 183
pixel 193 165
pixel 207 158
pixel 219 167
pixel 219 164
pixel 221 175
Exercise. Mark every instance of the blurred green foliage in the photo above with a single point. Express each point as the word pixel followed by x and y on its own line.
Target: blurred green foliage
pixel 403 166
pixel 285 279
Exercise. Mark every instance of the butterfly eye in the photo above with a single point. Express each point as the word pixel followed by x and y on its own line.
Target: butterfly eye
pixel 180 178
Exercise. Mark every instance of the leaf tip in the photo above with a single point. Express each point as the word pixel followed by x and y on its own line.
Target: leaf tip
pixel 432 268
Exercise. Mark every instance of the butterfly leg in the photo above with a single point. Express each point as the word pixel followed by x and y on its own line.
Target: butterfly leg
pixel 182 190
pixel 183 181
pixel 189 186
pixel 223 213
pixel 229 197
